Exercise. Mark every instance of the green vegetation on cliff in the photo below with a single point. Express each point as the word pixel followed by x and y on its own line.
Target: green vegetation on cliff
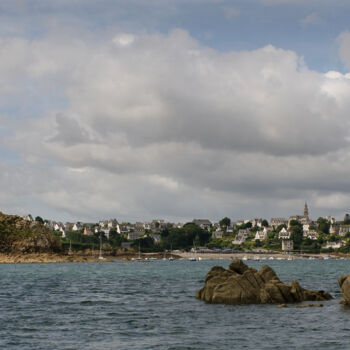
pixel 18 235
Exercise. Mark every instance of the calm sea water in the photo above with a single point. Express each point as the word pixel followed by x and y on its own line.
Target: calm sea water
pixel 152 306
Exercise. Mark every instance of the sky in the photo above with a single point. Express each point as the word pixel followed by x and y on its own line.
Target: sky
pixel 174 109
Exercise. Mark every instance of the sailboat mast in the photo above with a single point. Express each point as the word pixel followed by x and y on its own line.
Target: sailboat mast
pixel 100 256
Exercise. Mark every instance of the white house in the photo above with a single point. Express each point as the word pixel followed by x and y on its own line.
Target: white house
pixel 334 229
pixel 312 234
pixel 331 219
pixel 28 217
pixel 76 227
pixel 230 229
pixel 103 223
pixel 343 230
pixel 112 223
pixel 241 237
pixel 105 231
pixel 156 224
pixel 284 234
pixel 257 222
pixel 147 226
pixel 261 235
pixel 63 233
pixel 306 229
pixel 333 245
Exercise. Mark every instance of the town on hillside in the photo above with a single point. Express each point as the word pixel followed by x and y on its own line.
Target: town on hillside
pixel 298 233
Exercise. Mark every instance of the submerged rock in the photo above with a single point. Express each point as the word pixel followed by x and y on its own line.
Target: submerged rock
pixel 344 284
pixel 241 284
pixel 300 306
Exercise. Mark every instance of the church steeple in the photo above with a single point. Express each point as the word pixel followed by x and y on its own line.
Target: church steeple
pixel 306 211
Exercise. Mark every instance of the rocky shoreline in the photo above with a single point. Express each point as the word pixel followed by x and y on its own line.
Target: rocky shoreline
pixel 22 258
pixel 47 258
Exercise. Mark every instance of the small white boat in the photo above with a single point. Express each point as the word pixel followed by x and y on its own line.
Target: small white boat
pixel 100 254
pixel 171 258
pixel 194 256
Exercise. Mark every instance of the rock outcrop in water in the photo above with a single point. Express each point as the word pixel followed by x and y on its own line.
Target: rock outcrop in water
pixel 344 284
pixel 241 284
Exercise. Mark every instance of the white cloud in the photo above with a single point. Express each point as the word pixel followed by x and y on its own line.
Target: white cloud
pixel 293 2
pixel 344 48
pixel 169 127
pixel 312 19
pixel 230 12
pixel 281 2
pixel 124 39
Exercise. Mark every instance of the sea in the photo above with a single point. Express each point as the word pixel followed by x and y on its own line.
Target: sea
pixel 151 305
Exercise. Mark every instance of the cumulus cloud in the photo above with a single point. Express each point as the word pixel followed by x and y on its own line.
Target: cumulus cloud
pixel 160 125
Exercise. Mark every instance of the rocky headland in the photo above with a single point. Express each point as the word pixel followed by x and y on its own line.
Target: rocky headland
pixel 240 284
pixel 19 236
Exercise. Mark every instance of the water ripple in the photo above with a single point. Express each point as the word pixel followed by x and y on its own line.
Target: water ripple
pixel 152 306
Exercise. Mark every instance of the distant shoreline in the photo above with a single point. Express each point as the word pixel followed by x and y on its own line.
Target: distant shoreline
pixel 258 256
pixel 30 258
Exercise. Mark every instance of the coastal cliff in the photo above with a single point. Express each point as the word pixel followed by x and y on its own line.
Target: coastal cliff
pixel 18 235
